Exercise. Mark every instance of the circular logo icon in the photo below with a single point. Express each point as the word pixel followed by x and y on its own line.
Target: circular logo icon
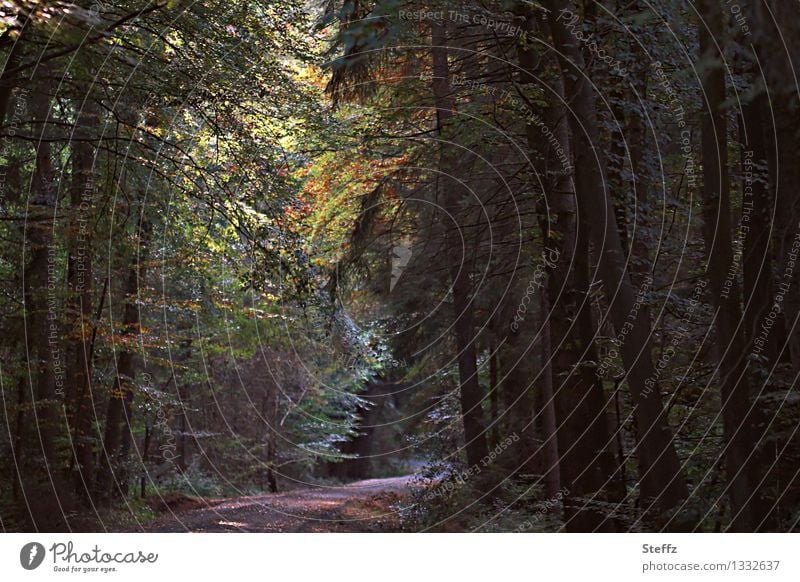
pixel 31 555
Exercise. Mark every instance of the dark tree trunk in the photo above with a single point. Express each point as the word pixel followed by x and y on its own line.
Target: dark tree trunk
pixel 273 404
pixel 787 184
pixel 730 340
pixel 80 409
pixel 757 269
pixel 17 463
pixel 360 447
pixel 579 401
pixel 777 341
pixel 123 470
pixel 775 21
pixel 20 435
pixel 662 483
pixel 44 485
pixel 471 393
pixel 494 396
pixel 148 432
pixel 119 413
pixel 550 457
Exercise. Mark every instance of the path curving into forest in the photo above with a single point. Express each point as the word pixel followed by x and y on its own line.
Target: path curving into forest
pixel 362 506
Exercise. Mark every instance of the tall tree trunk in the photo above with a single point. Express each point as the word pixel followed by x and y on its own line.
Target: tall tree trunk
pixel 787 184
pixel 118 414
pixel 641 150
pixel 126 429
pixel 550 457
pixel 730 341
pixel 17 462
pixel 494 395
pixel 579 401
pixel 774 22
pixel 182 391
pixel 148 432
pixel 471 395
pixel 42 326
pixel 757 269
pixel 662 483
pixel 80 408
pixel 271 405
pixel 20 436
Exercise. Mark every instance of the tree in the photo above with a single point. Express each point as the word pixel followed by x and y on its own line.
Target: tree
pixel 662 481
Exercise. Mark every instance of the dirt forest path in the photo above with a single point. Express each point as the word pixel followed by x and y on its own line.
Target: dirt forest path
pixel 362 506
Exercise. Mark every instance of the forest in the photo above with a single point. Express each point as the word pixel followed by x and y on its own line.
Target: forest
pixel 399 266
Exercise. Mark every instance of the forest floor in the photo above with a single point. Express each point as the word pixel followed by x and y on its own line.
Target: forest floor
pixel 362 506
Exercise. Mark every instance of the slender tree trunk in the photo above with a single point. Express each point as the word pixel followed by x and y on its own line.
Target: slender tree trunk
pixel 494 396
pixel 182 393
pixel 516 361
pixel 550 456
pixel 471 394
pixel 787 184
pixel 80 408
pixel 20 435
pixel 272 438
pixel 148 431
pixel 119 412
pixel 642 155
pixel 736 400
pixel 123 471
pixel 17 463
pixel 757 269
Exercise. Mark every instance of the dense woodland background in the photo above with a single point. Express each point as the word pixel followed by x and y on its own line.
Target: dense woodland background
pixel 543 255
